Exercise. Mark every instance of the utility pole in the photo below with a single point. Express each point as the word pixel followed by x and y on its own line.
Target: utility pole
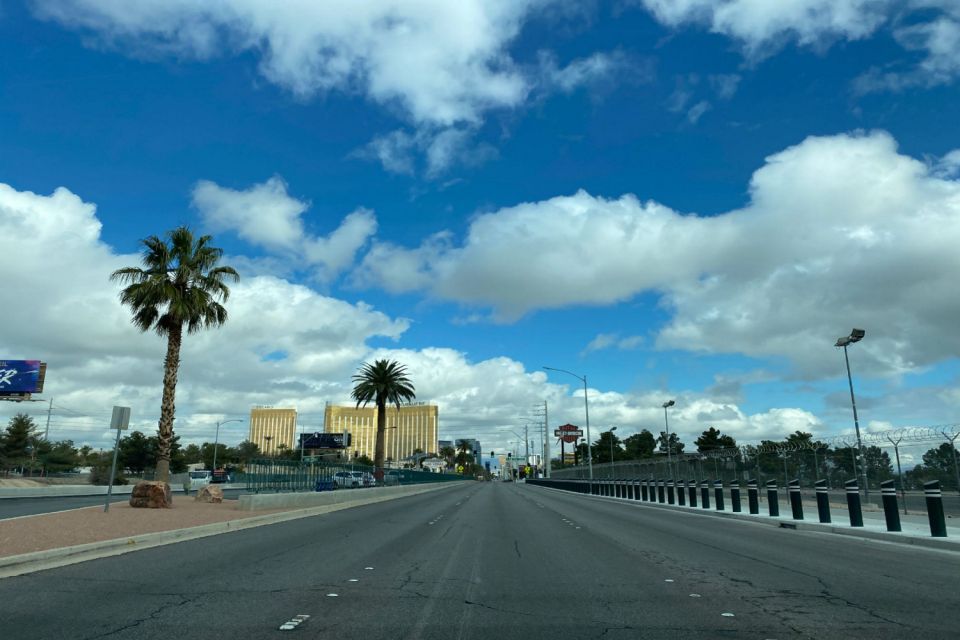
pixel 46 432
pixel 546 441
pixel 526 440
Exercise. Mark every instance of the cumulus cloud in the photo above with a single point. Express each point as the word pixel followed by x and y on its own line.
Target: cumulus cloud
pixel 59 306
pixel 265 215
pixel 837 234
pixel 612 341
pixel 762 27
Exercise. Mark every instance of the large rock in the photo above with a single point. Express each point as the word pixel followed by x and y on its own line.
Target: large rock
pixel 210 493
pixel 151 495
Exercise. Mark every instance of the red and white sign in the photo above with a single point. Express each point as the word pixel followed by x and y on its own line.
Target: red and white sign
pixel 568 432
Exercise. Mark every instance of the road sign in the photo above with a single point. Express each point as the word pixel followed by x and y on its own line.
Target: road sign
pixel 568 432
pixel 320 440
pixel 120 419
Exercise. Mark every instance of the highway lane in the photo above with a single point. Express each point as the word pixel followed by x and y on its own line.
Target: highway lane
pixel 18 507
pixel 485 560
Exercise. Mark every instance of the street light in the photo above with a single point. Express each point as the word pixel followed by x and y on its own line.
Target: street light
pixel 666 423
pixel 856 335
pixel 216 440
pixel 586 411
pixel 612 429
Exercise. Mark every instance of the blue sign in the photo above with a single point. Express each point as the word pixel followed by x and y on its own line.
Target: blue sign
pixel 19 376
pixel 324 440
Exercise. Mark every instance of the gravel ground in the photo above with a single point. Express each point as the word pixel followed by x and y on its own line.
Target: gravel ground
pixel 91 524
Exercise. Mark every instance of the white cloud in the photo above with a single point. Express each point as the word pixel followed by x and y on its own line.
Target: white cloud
pixel 696 111
pixel 762 26
pixel 837 234
pixel 265 215
pixel 442 62
pixel 938 40
pixel 612 341
pixel 597 68
pixel 725 84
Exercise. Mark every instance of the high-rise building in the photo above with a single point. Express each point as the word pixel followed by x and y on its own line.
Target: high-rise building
pixel 413 427
pixel 271 427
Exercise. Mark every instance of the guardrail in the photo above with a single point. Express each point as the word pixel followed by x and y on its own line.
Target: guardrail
pixel 672 493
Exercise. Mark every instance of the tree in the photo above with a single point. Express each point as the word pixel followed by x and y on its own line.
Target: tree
pixel 191 454
pixel 639 445
pixel 675 445
pixel 179 287
pixel 712 439
pixel 17 440
pixel 447 454
pixel 247 450
pixel 601 448
pixel 136 453
pixel 60 456
pixel 383 382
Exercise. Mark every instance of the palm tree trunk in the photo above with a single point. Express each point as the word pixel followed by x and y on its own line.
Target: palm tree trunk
pixel 378 452
pixel 171 366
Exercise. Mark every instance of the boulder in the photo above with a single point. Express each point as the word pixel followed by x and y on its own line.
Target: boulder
pixel 210 493
pixel 151 495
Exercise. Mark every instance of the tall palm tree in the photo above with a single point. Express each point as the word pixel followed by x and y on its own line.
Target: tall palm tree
pixel 179 286
pixel 383 382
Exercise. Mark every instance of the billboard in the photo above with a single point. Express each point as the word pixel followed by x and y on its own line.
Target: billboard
pixel 324 440
pixel 21 377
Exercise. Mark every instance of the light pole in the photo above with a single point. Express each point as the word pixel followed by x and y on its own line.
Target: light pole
pixel 612 429
pixel 856 335
pixel 586 412
pixel 216 441
pixel 666 423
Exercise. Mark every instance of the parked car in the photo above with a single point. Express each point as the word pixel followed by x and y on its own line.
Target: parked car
pixel 200 478
pixel 346 479
pixel 364 478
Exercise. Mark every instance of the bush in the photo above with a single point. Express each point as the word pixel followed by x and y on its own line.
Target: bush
pixel 100 475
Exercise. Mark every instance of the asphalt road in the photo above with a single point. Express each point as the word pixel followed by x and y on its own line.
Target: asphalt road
pixel 498 561
pixel 17 507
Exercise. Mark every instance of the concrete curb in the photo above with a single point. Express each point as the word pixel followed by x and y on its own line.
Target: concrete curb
pixel 942 544
pixel 51 558
pixel 76 490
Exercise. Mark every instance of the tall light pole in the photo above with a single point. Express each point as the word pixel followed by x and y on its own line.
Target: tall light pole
pixel 666 423
pixel 586 412
pixel 612 429
pixel 216 440
pixel 856 335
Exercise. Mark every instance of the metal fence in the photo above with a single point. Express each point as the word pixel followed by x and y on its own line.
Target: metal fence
pixel 275 476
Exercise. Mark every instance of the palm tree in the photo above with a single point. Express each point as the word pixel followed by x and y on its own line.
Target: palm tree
pixel 382 382
pixel 179 286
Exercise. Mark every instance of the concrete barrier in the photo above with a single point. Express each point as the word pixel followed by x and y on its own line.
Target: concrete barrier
pixel 258 501
pixel 69 490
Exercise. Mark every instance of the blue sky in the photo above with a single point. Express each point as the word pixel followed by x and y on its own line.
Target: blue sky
pixel 684 199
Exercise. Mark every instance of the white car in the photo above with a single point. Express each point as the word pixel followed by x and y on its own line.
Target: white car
pixel 200 479
pixel 346 479
pixel 364 478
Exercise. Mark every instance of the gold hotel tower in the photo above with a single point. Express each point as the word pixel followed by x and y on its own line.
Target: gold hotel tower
pixel 416 428
pixel 270 427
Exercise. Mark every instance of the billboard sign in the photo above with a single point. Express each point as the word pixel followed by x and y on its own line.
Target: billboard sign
pixel 18 377
pixel 568 432
pixel 320 440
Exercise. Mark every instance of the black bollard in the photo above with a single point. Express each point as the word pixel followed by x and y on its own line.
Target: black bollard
pixel 773 499
pixel 853 503
pixel 753 497
pixel 692 488
pixel 823 501
pixel 643 489
pixel 934 497
pixel 670 492
pixel 681 492
pixel 660 489
pixel 705 494
pixel 796 506
pixel 888 490
pixel 718 494
pixel 735 496
pixel 618 488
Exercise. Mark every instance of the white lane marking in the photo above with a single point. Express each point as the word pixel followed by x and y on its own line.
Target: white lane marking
pixel 727 615
pixel 578 527
pixel 332 595
pixel 668 580
pixel 368 568
pixel 294 622
pixel 353 580
pixel 694 595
